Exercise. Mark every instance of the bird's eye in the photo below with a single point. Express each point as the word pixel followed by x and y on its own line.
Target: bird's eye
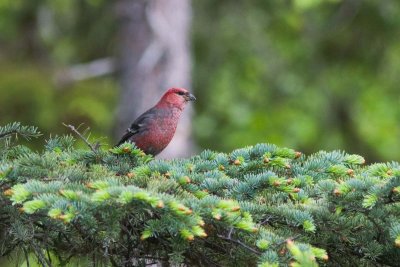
pixel 180 93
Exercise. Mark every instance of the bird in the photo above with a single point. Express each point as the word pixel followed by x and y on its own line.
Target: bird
pixel 154 129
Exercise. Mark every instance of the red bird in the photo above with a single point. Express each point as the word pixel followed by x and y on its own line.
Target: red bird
pixel 154 129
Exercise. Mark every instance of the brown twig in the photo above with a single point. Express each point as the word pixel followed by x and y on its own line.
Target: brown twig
pixel 40 256
pixel 266 220
pixel 85 140
pixel 230 232
pixel 8 133
pixel 240 243
pixel 286 240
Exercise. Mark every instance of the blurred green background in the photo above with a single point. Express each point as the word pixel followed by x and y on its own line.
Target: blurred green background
pixel 306 74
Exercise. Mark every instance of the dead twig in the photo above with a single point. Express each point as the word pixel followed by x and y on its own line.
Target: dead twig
pixel 85 140
pixel 240 243
pixel 286 240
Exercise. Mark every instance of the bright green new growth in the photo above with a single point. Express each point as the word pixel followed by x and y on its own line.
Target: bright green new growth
pixel 260 205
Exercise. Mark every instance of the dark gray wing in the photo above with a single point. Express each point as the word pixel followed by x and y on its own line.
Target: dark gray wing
pixel 139 126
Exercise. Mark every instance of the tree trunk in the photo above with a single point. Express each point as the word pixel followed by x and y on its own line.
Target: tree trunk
pixel 154 55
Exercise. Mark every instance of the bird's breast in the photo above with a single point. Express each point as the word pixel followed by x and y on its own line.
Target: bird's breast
pixel 159 132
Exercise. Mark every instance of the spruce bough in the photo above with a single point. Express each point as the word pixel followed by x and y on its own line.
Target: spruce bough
pixel 257 206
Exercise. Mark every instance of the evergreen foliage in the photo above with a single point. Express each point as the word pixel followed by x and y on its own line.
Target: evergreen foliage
pixel 256 206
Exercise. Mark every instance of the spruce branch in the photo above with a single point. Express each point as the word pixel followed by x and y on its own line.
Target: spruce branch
pixel 206 210
pixel 15 128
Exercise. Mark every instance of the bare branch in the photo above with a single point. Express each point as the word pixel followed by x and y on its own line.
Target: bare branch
pixel 240 243
pixel 84 71
pixel 8 133
pixel 286 240
pixel 85 140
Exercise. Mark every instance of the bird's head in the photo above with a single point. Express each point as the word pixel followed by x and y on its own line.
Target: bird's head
pixel 177 97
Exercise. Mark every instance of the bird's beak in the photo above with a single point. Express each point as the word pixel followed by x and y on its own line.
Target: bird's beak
pixel 190 97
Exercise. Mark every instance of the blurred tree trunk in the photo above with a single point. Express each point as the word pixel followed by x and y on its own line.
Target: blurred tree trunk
pixel 154 54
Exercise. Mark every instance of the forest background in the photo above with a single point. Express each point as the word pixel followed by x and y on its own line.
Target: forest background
pixel 306 74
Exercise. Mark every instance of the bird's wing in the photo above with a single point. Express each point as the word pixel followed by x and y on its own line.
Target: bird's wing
pixel 138 126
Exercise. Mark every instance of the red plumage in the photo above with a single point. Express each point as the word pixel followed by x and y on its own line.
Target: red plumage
pixel 153 130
